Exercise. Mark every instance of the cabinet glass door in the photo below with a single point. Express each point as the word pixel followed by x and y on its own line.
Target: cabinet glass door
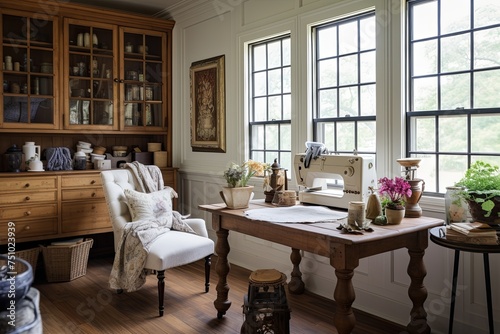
pixel 90 72
pixel 28 75
pixel 144 77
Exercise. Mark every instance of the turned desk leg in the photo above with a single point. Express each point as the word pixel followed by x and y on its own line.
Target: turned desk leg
pixel 344 296
pixel 417 293
pixel 222 302
pixel 296 285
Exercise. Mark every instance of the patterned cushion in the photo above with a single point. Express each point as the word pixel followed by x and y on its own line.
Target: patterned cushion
pixel 156 205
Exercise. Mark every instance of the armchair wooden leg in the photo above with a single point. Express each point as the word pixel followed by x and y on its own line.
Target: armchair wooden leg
pixel 207 272
pixel 161 290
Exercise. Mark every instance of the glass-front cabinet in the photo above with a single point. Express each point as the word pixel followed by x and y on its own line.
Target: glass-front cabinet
pixel 114 77
pixel 29 52
pixel 144 79
pixel 90 75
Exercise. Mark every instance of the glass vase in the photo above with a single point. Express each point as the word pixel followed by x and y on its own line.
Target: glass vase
pixel 456 208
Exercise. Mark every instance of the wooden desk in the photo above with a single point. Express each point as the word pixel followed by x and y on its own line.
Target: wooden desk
pixel 344 251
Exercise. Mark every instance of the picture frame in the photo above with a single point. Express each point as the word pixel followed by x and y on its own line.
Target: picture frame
pixel 208 105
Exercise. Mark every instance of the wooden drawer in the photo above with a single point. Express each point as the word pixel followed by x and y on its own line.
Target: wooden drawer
pixel 77 217
pixel 84 193
pixel 29 229
pixel 82 180
pixel 31 183
pixel 28 197
pixel 168 178
pixel 28 212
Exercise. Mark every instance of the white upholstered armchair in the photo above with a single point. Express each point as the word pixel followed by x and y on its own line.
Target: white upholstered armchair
pixel 171 249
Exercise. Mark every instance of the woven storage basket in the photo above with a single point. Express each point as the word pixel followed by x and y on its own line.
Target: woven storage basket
pixel 160 158
pixel 30 256
pixel 65 263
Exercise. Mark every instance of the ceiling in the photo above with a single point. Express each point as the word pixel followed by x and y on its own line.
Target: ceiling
pixel 147 7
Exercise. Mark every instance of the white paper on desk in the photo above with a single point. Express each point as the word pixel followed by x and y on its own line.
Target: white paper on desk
pixel 296 214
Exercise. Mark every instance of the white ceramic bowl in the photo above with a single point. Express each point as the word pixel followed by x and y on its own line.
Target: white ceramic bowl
pixel 94 157
pixel 84 144
pixel 84 150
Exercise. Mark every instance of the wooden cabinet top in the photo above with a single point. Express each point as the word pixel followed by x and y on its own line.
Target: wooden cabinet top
pixel 64 9
pixel 61 172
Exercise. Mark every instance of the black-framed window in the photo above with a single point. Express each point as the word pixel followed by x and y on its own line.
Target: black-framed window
pixel 453 110
pixel 270 101
pixel 344 112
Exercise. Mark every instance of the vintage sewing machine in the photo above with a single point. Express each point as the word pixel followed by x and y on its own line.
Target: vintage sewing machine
pixel 335 180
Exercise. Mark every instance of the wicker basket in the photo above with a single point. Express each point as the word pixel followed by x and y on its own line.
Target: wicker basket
pixel 30 256
pixel 160 158
pixel 65 263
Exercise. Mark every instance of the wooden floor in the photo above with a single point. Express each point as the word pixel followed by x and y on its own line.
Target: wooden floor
pixel 87 305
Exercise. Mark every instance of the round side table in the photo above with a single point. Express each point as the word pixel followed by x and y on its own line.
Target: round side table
pixel 438 236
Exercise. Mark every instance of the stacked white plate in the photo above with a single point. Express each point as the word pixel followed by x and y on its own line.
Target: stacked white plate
pixel 85 148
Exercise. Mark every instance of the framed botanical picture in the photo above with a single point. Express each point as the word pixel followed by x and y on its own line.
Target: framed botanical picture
pixel 208 104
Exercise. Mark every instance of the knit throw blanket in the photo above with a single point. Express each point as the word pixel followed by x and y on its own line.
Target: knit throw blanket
pixel 128 272
pixel 148 178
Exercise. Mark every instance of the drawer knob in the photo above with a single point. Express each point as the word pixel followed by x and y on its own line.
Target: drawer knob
pixel 27 213
pixel 93 194
pixel 28 198
pixel 27 185
pixel 92 182
pixel 27 227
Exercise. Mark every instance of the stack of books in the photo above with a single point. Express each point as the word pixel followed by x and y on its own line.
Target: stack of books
pixel 473 233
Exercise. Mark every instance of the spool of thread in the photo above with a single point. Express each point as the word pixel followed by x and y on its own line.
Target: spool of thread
pixel 86 40
pixel 79 40
pixel 356 213
pixel 285 198
pixel 8 63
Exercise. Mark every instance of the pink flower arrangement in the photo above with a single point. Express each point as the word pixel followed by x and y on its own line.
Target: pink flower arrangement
pixel 394 192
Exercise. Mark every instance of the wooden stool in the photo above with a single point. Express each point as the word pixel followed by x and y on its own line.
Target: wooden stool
pixel 265 307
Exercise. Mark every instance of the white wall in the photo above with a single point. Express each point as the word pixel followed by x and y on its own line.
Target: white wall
pixel 206 29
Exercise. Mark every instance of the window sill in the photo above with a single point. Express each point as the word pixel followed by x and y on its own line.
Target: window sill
pixel 432 204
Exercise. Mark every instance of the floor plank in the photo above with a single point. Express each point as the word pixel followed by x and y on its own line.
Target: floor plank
pixel 86 305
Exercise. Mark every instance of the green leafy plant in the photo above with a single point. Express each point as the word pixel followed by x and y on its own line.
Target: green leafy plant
pixel 482 184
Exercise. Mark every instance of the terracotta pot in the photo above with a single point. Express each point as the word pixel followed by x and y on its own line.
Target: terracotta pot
pixel 237 198
pixel 394 217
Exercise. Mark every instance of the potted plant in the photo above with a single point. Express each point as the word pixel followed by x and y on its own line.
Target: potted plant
pixel 393 194
pixel 481 184
pixel 238 194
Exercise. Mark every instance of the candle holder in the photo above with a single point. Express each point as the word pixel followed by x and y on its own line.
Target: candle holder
pixel 412 208
pixel 278 181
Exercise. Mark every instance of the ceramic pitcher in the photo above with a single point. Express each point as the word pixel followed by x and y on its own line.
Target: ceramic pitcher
pixel 31 150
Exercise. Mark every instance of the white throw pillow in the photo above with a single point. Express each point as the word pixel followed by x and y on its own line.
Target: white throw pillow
pixel 156 205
